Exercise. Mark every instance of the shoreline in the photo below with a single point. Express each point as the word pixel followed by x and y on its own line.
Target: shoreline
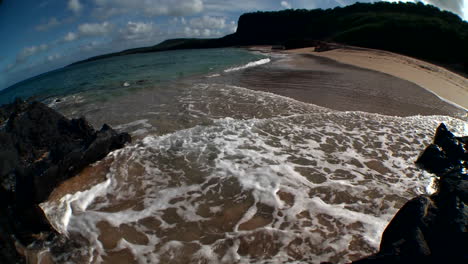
pixel 304 76
pixel 447 85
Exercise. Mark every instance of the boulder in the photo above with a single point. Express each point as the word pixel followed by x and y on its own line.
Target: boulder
pixel 432 228
pixel 39 149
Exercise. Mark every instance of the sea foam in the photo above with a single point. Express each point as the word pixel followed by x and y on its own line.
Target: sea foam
pixel 249 65
pixel 267 180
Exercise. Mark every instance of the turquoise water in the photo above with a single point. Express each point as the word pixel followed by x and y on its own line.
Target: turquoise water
pixel 105 78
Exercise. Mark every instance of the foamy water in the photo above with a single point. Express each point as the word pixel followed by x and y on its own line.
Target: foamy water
pixel 242 176
pixel 249 65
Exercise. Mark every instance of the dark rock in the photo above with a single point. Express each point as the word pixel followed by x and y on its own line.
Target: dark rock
pixel 40 148
pixel 432 229
pixel 322 46
pixel 434 160
pixel 141 82
pixel 452 146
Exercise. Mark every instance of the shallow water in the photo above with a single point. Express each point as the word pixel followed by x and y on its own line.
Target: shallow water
pixel 113 77
pixel 218 173
pixel 237 176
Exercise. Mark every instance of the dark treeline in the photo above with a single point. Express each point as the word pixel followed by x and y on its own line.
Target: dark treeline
pixel 416 30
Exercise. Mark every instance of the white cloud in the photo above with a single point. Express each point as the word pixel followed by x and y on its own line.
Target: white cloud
pixel 176 20
pixel 106 12
pixel 139 27
pixel 190 32
pixel 455 6
pixel 205 33
pixel 137 30
pixel 207 26
pixel 95 29
pixel 53 22
pixel 342 2
pixel 239 5
pixel 27 52
pixel 53 57
pixel 465 10
pixel 172 7
pixel 70 36
pixel 90 46
pixel 208 22
pixel 286 5
pixel 106 8
pixel 232 27
pixel 23 56
pixel 75 6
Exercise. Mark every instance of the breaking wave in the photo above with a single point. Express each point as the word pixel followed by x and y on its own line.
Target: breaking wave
pixel 249 65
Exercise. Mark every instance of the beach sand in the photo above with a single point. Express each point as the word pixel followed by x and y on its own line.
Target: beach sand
pixel 362 80
pixel 446 84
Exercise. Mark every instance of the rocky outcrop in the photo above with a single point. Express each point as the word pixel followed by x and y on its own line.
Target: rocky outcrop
pixel 40 148
pixel 432 228
pixel 326 46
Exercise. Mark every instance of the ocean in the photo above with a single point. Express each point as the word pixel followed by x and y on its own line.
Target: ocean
pixel 218 173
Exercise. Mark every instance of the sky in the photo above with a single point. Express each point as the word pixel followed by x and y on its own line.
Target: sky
pixel 43 35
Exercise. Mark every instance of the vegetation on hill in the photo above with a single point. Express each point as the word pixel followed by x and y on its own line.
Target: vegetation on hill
pixel 416 30
pixel 413 29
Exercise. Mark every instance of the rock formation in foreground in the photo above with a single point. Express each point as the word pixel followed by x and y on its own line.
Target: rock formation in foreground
pixel 432 228
pixel 40 148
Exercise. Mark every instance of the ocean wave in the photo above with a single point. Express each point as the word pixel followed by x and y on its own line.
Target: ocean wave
pixel 69 99
pixel 249 65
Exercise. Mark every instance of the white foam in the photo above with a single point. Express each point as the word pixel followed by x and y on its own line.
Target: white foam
pixel 213 75
pixel 249 65
pixel 59 214
pixel 346 173
pixel 73 99
pixel 141 122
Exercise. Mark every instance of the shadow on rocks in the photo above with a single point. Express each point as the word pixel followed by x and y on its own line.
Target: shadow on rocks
pixel 40 148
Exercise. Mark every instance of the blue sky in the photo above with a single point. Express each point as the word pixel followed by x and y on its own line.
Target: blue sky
pixel 42 35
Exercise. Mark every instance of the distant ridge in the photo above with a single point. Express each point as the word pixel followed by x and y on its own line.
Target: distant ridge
pixel 417 30
pixel 170 44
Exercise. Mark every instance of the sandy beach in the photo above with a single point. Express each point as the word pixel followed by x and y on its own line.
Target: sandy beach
pixel 445 84
pixel 362 80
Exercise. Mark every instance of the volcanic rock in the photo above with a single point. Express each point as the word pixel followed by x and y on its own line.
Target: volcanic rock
pixel 432 228
pixel 39 149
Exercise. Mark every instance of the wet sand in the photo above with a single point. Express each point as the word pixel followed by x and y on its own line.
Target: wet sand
pixel 326 82
pixel 444 83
